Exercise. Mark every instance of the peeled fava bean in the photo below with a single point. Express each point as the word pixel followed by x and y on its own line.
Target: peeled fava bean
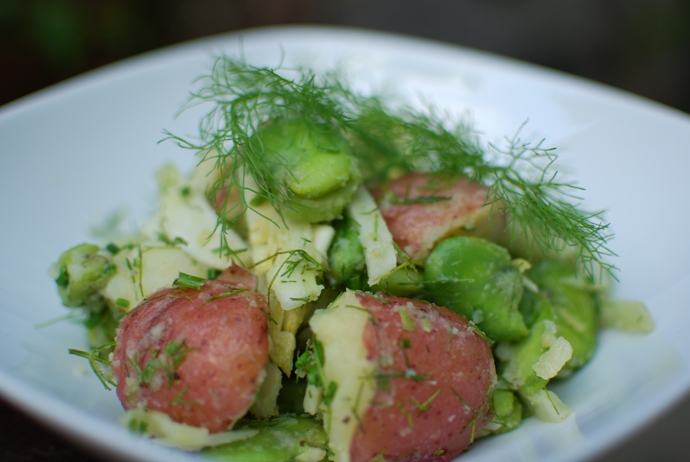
pixel 476 278
pixel 316 166
pixel 197 355
pixel 404 379
pixel 562 312
pixel 80 273
pixel 403 282
pixel 279 439
pixel 346 259
pixel 347 264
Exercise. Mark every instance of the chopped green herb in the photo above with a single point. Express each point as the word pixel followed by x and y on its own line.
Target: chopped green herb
pixel 63 278
pixel 212 273
pixel 168 361
pixel 174 242
pixel 138 426
pixel 423 407
pixel 406 413
pixel 227 293
pixel 406 320
pixel 329 393
pixel 96 357
pixel 419 200
pixel 178 398
pixel 188 281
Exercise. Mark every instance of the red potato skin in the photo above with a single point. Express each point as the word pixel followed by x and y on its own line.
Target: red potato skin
pixel 417 226
pixel 227 351
pixel 457 365
pixel 220 199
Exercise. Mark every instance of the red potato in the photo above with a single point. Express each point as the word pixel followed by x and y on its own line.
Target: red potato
pixel 416 387
pixel 231 203
pixel 422 209
pixel 196 355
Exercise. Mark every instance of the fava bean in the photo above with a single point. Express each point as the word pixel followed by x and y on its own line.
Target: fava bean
pixel 403 282
pixel 568 299
pixel 563 311
pixel 346 256
pixel 279 439
pixel 315 164
pixel 80 273
pixel 476 278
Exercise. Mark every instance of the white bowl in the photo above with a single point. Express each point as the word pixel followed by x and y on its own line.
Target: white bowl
pixel 75 152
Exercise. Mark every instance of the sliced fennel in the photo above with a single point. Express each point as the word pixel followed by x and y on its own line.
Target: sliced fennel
pixel 379 250
pixel 167 432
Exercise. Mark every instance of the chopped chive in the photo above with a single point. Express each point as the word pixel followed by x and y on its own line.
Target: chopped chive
pixel 423 407
pixel 109 269
pixel 227 293
pixel 420 200
pixel 189 281
pixel 329 393
pixel 137 426
pixel 112 248
pixel 212 273
pixel 63 278
pixel 407 414
pixel 178 398
pixel 122 302
pixel 406 320
pixel 174 242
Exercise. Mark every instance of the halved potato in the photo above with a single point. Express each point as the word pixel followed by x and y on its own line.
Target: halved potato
pixel 403 379
pixel 422 209
pixel 198 356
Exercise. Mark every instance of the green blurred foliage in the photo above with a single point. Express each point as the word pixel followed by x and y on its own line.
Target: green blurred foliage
pixel 642 45
pixel 58 29
pixel 45 41
pixel 661 27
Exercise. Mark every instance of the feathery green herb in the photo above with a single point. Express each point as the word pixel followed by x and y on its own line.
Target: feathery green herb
pixel 310 363
pixel 168 361
pixel 521 177
pixel 99 362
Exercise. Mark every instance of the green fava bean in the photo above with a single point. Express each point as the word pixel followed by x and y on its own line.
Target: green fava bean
pixel 567 299
pixel 516 361
pixel 476 278
pixel 348 265
pixel 507 410
pixel 323 208
pixel 564 307
pixel 315 164
pixel 80 273
pixel 403 282
pixel 346 256
pixel 291 395
pixel 280 439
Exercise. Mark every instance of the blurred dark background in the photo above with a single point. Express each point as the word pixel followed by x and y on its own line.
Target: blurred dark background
pixel 642 46
pixel 639 45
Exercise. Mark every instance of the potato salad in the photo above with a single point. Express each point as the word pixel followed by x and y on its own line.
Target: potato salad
pixel 342 278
